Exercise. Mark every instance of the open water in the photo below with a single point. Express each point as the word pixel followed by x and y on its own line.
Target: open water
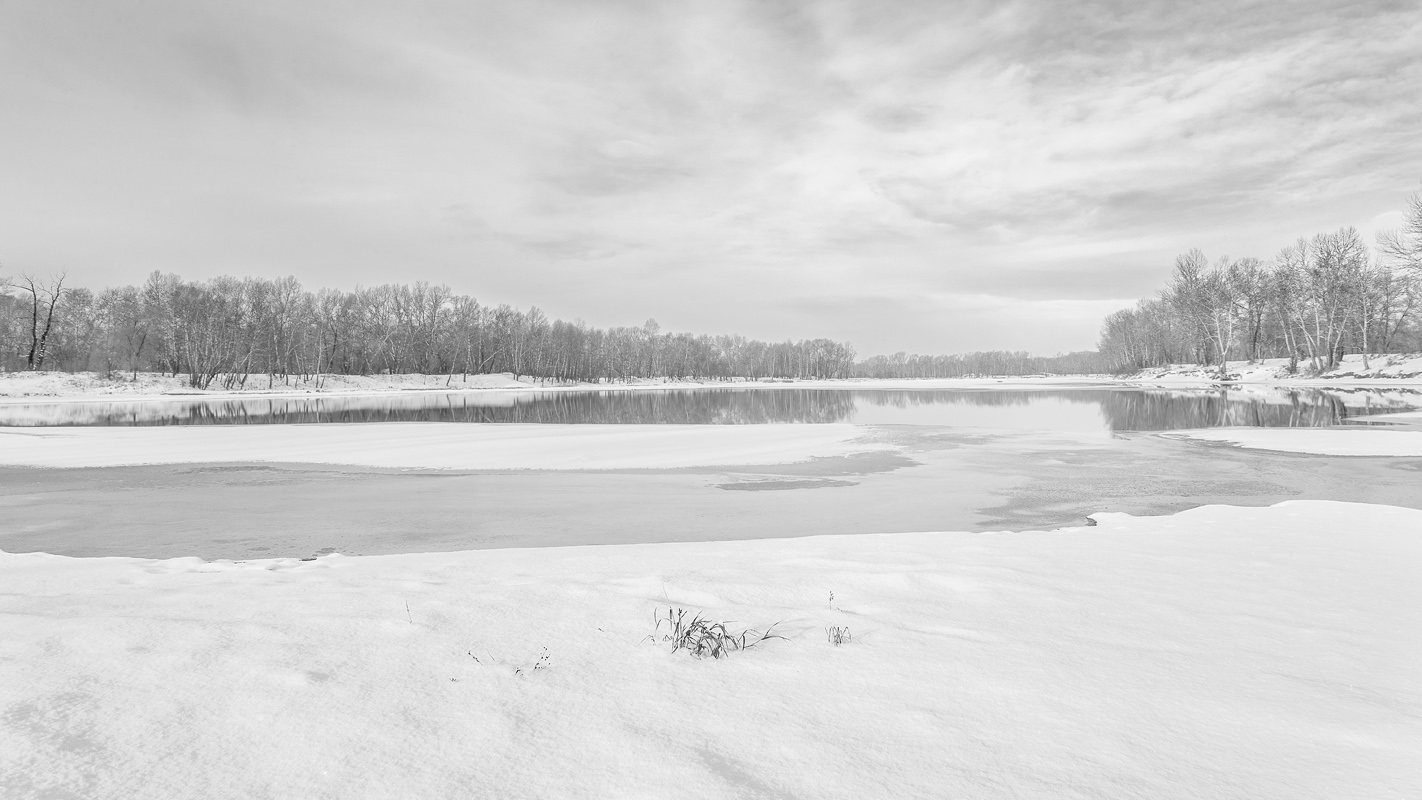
pixel 1079 410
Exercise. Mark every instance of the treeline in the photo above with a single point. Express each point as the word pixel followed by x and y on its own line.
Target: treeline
pixel 1316 301
pixel 966 365
pixel 221 331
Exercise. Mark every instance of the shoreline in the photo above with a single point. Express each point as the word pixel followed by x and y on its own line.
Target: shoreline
pixel 54 387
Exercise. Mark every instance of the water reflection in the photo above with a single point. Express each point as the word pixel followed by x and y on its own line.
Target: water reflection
pixel 1159 409
pixel 1111 409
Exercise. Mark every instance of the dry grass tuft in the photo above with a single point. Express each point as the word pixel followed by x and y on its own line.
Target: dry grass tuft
pixel 701 637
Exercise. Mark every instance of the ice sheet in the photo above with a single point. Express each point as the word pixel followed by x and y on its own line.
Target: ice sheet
pixel 433 445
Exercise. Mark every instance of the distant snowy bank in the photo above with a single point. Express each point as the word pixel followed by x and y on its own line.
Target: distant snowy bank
pixel 92 385
pixel 80 386
pixel 1387 369
pixel 1221 652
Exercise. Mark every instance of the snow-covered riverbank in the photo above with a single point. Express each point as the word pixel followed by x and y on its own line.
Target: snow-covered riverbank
pixel 29 387
pixel 1380 370
pixel 64 386
pixel 1221 652
pixel 57 387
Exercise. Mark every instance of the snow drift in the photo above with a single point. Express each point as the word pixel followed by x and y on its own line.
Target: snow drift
pixel 1218 653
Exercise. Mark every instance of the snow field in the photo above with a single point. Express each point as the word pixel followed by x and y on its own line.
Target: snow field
pixel 1384 369
pixel 150 385
pixel 433 445
pixel 1316 441
pixel 30 387
pixel 1217 653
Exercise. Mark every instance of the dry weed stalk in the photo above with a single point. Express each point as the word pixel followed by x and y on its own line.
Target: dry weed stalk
pixel 701 637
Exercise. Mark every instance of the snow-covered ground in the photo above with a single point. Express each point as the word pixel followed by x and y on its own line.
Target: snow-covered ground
pixel 28 387
pixel 89 385
pixel 1217 653
pixel 1397 434
pixel 1401 417
pixel 1318 441
pixel 1384 370
pixel 1381 369
pixel 434 445
pixel 72 387
pixel 1221 652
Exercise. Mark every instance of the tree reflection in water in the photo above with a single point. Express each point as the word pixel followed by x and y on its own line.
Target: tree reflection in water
pixel 1122 409
pixel 1163 409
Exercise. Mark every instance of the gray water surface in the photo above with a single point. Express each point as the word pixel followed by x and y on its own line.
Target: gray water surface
pixel 967 460
pixel 1106 409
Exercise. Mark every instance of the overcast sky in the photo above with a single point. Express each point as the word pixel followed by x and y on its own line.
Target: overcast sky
pixel 931 177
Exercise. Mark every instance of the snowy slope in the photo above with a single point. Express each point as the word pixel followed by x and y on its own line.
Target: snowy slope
pixel 1380 370
pixel 1218 653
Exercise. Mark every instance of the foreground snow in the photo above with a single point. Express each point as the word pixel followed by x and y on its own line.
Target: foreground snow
pixel 432 445
pixel 1218 653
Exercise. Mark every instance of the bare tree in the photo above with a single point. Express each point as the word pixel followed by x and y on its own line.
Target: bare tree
pixel 1249 284
pixel 1337 276
pixel 122 313
pixel 44 299
pixel 1221 307
pixel 1188 296
pixel 1402 248
pixel 1319 298
pixel 1397 279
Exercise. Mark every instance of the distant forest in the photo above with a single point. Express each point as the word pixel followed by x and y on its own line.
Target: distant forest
pixel 1317 300
pixel 221 331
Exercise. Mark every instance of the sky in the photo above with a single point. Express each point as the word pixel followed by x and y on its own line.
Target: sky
pixel 920 176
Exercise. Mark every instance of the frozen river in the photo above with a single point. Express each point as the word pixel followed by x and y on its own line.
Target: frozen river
pixel 1008 459
pixel 1104 409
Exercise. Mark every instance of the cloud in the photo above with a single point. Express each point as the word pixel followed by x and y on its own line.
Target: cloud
pixel 623 160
